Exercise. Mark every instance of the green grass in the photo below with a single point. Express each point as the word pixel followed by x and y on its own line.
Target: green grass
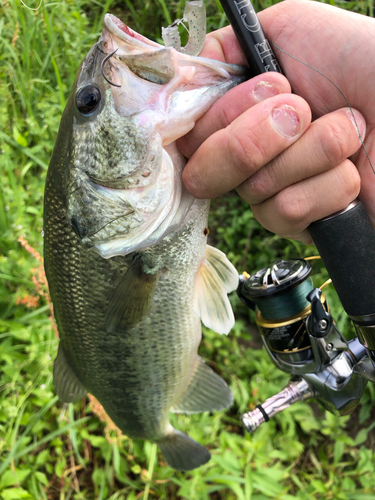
pixel 51 452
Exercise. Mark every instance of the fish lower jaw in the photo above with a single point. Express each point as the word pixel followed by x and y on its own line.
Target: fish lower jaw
pixel 169 222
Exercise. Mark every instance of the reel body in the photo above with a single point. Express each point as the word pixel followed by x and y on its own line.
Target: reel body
pixel 302 339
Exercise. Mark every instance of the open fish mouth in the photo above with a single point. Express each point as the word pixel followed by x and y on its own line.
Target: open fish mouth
pixel 133 43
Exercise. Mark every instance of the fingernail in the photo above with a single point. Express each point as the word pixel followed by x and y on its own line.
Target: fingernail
pixel 264 90
pixel 286 121
pixel 357 121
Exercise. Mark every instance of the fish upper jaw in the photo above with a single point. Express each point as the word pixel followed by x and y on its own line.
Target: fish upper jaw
pixel 133 41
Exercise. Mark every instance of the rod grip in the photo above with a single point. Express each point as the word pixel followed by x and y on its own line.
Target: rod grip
pixel 346 243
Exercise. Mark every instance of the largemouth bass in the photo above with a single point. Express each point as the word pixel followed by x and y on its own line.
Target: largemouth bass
pixel 130 273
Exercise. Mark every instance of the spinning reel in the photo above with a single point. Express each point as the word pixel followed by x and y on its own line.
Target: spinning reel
pixel 302 339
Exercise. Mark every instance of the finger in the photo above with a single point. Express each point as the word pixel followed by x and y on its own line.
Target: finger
pixel 367 173
pixel 327 142
pixel 293 209
pixel 233 154
pixel 223 45
pixel 230 106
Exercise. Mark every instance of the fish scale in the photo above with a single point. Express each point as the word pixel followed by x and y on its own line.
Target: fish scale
pixel 121 356
pixel 130 274
pixel 157 385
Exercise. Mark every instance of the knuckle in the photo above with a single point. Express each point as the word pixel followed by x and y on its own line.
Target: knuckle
pixel 348 180
pixel 293 209
pixel 185 146
pixel 261 184
pixel 244 152
pixel 227 114
pixel 332 142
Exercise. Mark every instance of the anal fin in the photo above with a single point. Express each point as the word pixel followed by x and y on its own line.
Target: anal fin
pixel 68 387
pixel 132 298
pixel 181 452
pixel 206 391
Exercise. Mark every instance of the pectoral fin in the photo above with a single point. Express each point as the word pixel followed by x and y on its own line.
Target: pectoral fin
pixel 68 387
pixel 132 298
pixel 224 269
pixel 216 278
pixel 205 392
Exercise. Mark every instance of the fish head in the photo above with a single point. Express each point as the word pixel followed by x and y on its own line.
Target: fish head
pixel 132 99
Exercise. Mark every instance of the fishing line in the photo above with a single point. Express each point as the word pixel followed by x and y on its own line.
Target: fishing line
pixel 31 8
pixel 337 88
pixel 177 22
pixel 184 25
pixel 286 304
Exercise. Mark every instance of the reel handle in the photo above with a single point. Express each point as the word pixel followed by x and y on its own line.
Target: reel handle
pixel 297 390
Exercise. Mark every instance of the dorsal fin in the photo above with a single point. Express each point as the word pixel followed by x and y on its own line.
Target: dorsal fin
pixel 68 387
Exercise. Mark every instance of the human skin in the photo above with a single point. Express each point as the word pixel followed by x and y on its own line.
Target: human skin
pixel 259 138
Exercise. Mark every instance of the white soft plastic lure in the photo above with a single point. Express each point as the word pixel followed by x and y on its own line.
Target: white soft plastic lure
pixel 195 16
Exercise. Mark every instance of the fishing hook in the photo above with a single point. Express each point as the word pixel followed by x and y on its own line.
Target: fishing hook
pixel 102 68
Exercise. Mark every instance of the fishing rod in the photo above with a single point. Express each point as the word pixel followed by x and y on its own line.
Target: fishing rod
pixel 296 326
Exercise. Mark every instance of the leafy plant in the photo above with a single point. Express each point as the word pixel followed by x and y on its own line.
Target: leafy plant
pixel 48 451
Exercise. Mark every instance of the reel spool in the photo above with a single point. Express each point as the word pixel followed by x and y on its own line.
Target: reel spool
pixel 279 293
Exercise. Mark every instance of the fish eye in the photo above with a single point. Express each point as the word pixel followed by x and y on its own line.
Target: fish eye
pixel 88 99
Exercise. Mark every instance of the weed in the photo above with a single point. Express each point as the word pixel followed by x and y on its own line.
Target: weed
pixel 51 452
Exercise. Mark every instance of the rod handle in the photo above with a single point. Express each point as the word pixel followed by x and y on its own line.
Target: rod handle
pixel 346 243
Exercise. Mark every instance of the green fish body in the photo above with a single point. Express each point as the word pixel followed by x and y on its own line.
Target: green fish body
pixel 130 274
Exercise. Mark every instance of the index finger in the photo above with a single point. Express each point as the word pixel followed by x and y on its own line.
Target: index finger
pixel 223 45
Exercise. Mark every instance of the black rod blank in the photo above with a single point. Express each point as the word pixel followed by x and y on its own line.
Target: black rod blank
pixel 249 33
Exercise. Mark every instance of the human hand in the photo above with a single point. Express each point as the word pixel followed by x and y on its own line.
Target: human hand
pixel 290 179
